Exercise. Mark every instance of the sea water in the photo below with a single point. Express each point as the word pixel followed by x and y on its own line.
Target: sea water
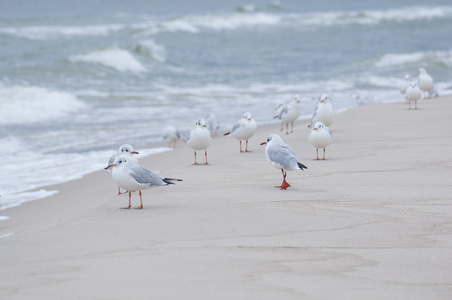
pixel 80 78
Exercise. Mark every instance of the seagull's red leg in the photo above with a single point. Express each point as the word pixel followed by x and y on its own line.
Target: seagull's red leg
pixel 285 184
pixel 246 148
pixel 282 126
pixel 287 128
pixel 241 146
pixel 317 150
pixel 141 201
pixel 119 191
pixel 130 200
pixel 205 153
pixel 195 159
pixel 324 154
pixel 292 128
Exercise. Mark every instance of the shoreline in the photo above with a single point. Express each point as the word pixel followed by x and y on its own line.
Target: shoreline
pixel 373 221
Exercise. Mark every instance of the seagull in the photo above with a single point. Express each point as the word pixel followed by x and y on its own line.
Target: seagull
pixel 405 84
pixel 134 177
pixel 425 81
pixel 323 112
pixel 199 138
pixel 413 93
pixel 244 129
pixel 279 108
pixel 212 124
pixel 320 137
pixel 172 134
pixel 282 157
pixel 126 150
pixel 290 113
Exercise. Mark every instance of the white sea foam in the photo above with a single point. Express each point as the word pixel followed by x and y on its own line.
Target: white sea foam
pixel 29 104
pixel 112 57
pixel 237 20
pixel 153 49
pixel 394 59
pixel 54 32
pixel 27 169
pixel 373 17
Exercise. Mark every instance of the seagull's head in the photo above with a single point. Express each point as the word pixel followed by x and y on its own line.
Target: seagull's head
pixel 247 116
pixel 120 160
pixel 324 98
pixel 297 98
pixel 201 122
pixel 318 125
pixel 271 138
pixel 127 149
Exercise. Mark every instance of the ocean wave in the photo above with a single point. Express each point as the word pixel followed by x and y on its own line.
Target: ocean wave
pixel 30 104
pixel 55 32
pixel 415 58
pixel 151 48
pixel 235 21
pixel 373 17
pixel 112 57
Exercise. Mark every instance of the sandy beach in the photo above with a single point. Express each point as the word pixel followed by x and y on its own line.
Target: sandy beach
pixel 374 221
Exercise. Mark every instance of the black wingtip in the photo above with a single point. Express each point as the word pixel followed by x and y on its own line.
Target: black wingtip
pixel 169 180
pixel 302 167
pixel 227 133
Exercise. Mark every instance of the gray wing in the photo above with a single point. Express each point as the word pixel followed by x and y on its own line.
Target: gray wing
pixel 235 127
pixel 314 118
pixel 283 154
pixel 112 159
pixel 146 177
pixel 283 112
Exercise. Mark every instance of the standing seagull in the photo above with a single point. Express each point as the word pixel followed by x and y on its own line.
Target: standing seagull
pixel 172 134
pixel 127 151
pixel 212 124
pixel 199 138
pixel 405 84
pixel 289 113
pixel 279 108
pixel 425 82
pixel 134 177
pixel 282 157
pixel 320 137
pixel 323 112
pixel 413 93
pixel 244 129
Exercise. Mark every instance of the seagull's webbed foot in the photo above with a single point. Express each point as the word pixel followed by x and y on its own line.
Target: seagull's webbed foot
pixel 139 207
pixel 127 207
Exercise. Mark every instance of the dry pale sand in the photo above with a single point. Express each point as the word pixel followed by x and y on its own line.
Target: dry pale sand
pixel 374 221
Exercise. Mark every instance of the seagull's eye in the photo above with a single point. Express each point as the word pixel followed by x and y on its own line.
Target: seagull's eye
pixel 268 140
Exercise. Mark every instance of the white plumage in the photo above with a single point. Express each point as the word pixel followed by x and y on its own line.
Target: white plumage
pixel 244 129
pixel 289 113
pixel 413 93
pixel 425 82
pixel 282 156
pixel 171 134
pixel 127 151
pixel 199 138
pixel 324 112
pixel 320 137
pixel 133 177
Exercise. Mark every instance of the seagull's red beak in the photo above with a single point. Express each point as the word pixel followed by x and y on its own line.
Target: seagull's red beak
pixel 321 101
pixel 264 143
pixel 314 128
pixel 204 126
pixel 135 152
pixel 112 165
